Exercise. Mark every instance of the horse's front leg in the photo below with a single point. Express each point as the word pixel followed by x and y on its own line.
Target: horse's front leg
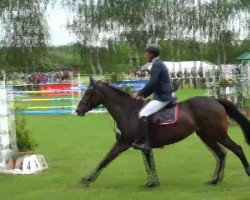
pixel 116 150
pixel 149 163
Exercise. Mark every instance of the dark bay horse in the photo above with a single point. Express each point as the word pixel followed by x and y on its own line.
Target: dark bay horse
pixel 205 116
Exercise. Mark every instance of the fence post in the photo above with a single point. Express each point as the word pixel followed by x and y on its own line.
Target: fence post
pixel 7 134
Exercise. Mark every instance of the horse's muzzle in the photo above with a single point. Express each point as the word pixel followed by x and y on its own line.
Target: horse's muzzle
pixel 79 113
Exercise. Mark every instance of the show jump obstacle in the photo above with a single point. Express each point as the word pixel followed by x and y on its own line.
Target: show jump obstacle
pixel 71 95
pixel 28 164
pixel 68 93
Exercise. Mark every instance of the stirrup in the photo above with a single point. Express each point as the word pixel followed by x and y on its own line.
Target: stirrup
pixel 143 147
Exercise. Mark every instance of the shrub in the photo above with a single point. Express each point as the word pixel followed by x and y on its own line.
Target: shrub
pixel 114 77
pixel 225 83
pixel 25 141
pixel 203 83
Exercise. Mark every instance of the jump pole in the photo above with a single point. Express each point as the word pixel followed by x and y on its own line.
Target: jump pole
pixel 50 107
pixel 72 95
pixel 7 145
pixel 45 112
pixel 28 164
pixel 52 99
pixel 44 91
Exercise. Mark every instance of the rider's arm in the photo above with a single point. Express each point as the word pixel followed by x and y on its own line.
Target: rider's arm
pixel 149 88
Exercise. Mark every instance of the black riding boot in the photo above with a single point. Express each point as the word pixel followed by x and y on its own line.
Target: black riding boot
pixel 145 145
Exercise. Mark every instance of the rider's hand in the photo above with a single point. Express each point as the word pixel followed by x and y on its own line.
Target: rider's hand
pixel 136 96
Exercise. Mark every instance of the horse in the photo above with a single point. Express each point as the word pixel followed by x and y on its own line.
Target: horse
pixel 206 116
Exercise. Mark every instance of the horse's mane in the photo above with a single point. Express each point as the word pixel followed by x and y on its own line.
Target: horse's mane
pixel 119 91
pixel 122 93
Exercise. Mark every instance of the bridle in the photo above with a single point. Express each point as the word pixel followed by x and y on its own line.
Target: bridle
pixel 87 107
pixel 84 101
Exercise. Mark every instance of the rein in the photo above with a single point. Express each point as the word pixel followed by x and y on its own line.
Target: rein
pixel 115 129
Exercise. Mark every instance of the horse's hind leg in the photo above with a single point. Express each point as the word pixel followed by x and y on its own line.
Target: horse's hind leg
pixel 220 156
pixel 237 150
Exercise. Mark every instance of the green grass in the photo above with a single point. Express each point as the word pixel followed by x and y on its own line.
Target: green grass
pixel 73 147
pixel 183 94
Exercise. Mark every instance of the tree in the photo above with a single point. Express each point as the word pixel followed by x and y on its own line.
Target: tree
pixel 24 33
pixel 139 22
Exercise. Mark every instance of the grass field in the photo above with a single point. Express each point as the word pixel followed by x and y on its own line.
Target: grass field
pixel 73 147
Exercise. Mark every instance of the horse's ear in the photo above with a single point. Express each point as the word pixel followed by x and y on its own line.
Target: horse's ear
pixel 91 79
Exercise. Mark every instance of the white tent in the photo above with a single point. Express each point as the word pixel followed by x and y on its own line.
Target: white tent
pixel 186 66
pixel 189 65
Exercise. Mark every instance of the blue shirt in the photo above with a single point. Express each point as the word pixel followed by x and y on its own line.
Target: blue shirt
pixel 159 83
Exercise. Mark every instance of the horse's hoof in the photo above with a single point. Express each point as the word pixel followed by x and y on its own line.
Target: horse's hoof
pixel 152 184
pixel 85 183
pixel 212 182
pixel 248 171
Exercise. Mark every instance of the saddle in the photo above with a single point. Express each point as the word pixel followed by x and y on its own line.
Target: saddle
pixel 167 115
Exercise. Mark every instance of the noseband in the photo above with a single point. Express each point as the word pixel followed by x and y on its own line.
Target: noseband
pixel 85 101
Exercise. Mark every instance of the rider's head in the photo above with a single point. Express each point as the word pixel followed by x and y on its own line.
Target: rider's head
pixel 152 51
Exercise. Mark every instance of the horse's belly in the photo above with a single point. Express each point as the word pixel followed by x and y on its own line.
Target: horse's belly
pixel 170 134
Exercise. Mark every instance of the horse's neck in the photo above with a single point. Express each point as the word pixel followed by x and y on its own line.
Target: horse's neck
pixel 119 106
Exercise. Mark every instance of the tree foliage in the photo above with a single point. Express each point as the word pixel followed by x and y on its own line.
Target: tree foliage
pixel 107 22
pixel 23 33
pixel 117 59
pixel 113 33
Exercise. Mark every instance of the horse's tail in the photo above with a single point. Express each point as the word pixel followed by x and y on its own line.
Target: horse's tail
pixel 235 114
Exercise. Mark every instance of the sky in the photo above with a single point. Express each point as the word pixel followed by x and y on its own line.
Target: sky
pixel 57 20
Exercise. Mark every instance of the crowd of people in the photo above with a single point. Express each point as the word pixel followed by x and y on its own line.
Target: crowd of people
pixel 1 75
pixel 45 77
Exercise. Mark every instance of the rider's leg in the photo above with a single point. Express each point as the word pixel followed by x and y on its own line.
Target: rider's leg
pixel 151 108
pixel 144 141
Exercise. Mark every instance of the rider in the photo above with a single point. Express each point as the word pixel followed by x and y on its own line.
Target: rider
pixel 159 85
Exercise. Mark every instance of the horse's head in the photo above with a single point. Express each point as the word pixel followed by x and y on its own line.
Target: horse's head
pixel 90 100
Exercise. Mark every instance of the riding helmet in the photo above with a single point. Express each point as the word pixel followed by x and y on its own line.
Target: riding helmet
pixel 153 48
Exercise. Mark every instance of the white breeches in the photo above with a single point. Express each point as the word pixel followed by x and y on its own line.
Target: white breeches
pixel 151 108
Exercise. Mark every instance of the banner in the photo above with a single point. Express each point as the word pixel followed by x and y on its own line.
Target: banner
pixel 59 86
pixel 134 86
